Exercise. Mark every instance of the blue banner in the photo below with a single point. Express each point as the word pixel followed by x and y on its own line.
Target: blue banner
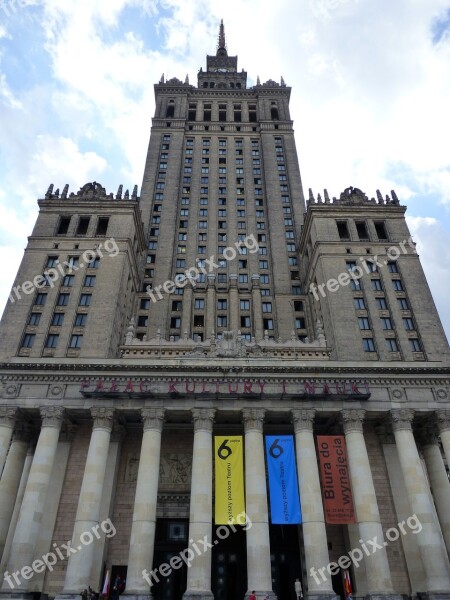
pixel 283 486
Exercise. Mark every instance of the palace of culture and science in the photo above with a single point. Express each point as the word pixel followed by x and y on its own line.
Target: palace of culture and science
pixel 221 305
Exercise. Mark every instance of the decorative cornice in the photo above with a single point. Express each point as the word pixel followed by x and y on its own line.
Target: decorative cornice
pixel 303 419
pixel 353 420
pixel 103 418
pixel 52 416
pixel 443 419
pixel 153 418
pixel 402 419
pixel 253 419
pixel 203 419
pixel 8 416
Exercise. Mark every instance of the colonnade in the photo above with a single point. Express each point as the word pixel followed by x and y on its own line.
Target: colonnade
pixel 433 541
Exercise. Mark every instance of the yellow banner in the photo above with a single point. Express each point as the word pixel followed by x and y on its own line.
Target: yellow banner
pixel 230 503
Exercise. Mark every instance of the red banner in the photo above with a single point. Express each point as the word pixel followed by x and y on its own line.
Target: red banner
pixel 335 477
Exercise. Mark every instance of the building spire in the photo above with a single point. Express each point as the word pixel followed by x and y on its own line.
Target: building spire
pixel 221 44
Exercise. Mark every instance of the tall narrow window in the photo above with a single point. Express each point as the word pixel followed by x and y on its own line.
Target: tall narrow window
pixel 83 225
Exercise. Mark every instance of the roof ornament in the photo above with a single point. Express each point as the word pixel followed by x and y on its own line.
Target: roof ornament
pixel 221 43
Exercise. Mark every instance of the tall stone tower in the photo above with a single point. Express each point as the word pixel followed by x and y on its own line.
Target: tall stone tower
pixel 145 333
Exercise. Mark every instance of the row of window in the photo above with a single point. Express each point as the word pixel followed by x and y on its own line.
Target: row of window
pixel 62 299
pixel 52 340
pixel 391 344
pixel 362 231
pixel 82 225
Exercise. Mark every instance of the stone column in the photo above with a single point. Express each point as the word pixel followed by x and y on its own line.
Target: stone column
pixel 9 484
pixel 257 309
pixel 186 313
pixel 200 519
pixel 7 420
pixel 87 517
pixel 16 511
pixel 234 303
pixel 33 505
pixel 443 419
pixel 259 572
pixel 429 539
pixel 210 324
pixel 378 573
pixel 440 485
pixel 313 520
pixel 142 540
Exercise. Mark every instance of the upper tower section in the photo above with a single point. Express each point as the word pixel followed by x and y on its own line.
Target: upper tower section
pixel 221 69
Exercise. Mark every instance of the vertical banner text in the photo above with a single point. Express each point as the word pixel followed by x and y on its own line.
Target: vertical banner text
pixel 229 490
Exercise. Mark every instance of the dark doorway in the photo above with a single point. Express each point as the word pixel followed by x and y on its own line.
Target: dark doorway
pixel 338 585
pixel 171 538
pixel 229 563
pixel 285 558
pixel 116 570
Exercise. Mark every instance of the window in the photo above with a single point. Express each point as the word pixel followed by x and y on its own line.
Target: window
pixel 268 324
pixel 242 264
pixel 361 229
pixel 392 267
pixel 300 323
pixel 75 341
pixel 203 224
pixel 222 321
pixel 181 262
pixel 95 262
pixel 244 304
pixel 296 290
pixel 355 285
pixel 63 300
pixel 81 318
pixel 363 323
pixel 245 322
pixel 199 304
pixel 371 266
pixel 199 320
pixel 266 292
pixel 52 261
pixel 177 305
pixel 243 278
pixel 392 345
pixel 292 260
pixel 142 321
pixel 343 230
pixel 381 230
pixel 85 299
pixel 203 212
pixel 409 324
pixel 57 319
pixel 263 264
pixel 89 281
pixel 222 278
pixel 83 225
pixel 52 341
pixel 368 345
pixel 156 220
pixel 415 345
pixel 102 226
pixel 175 323
pixel 397 285
pixel 201 249
pixel 267 307
pixel 262 250
pixel 41 299
pixel 381 303
pixel 154 231
pixel 68 280
pixel 359 303
pixel 403 303
pixel 63 227
pixel 376 285
pixel 241 224
pixel 222 304
pixel 298 306
pixel 28 340
pixel 289 235
pixel 386 323
pixel 264 279
pixel 34 318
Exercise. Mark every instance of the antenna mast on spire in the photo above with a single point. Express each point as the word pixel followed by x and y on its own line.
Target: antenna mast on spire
pixel 221 44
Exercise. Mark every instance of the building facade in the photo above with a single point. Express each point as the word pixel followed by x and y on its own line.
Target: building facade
pixel 220 303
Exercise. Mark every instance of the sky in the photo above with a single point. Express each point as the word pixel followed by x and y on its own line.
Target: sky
pixel 370 99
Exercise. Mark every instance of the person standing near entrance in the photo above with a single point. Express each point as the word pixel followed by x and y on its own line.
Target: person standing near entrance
pixel 252 596
pixel 298 589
